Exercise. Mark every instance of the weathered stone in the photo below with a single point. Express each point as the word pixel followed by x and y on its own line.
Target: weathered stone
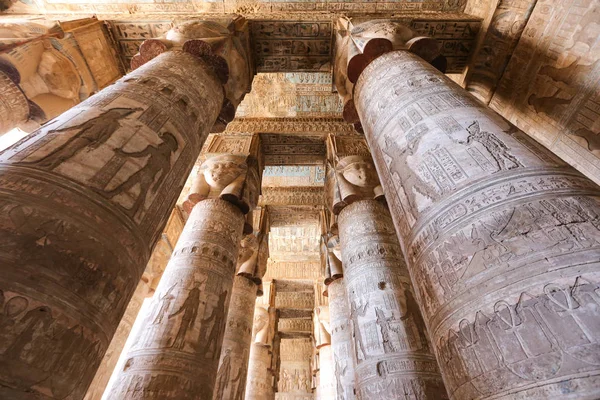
pixel 235 353
pixel 341 340
pixel 83 201
pixel 176 353
pixel 394 357
pixel 502 238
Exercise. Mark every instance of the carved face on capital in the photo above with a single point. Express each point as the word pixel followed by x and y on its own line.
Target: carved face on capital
pixel 221 171
pixel 359 172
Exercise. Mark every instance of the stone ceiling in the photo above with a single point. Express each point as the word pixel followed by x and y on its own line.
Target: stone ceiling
pixel 133 7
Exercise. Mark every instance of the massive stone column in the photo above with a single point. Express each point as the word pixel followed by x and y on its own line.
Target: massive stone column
pixel 237 340
pixel 326 389
pixel 146 287
pixel 235 353
pixel 394 357
pixel 342 346
pixel 259 384
pixel 177 351
pixel 82 202
pixel 502 238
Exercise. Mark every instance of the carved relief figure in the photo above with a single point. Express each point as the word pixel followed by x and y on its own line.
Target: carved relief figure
pixel 340 371
pixel 355 312
pixel 163 305
pixel 158 164
pixel 239 381
pixel 494 146
pixel 216 331
pixel 92 133
pixel 223 375
pixel 189 308
pixel 384 325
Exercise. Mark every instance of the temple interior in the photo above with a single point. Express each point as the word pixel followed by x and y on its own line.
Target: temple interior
pixel 299 199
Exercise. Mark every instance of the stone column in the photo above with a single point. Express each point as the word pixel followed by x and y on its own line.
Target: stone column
pixel 259 384
pixel 14 107
pixel 177 351
pixel 341 340
pixel 233 363
pixel 502 238
pixel 394 357
pixel 109 362
pixel 146 287
pixel 327 386
pixel 82 202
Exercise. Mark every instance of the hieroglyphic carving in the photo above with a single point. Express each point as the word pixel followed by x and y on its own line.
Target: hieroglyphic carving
pixel 293 270
pixel 14 108
pixel 290 95
pixel 295 325
pixel 184 328
pixel 235 353
pixel 307 195
pixel 294 175
pixel 502 218
pixel 146 287
pixel 131 34
pixel 359 43
pixel 87 244
pixel 291 46
pixel 456 38
pixel 394 357
pixel 282 149
pixel 341 341
pixel 92 39
pixel 549 88
pixel 295 371
pixel 501 38
pixel 294 300
pixel 320 126
pixel 260 8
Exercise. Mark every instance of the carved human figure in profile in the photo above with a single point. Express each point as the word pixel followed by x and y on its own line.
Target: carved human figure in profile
pixel 228 177
pixel 356 179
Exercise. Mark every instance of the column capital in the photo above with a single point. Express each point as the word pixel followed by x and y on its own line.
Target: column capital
pixel 358 45
pixel 351 174
pixel 223 44
pixel 230 169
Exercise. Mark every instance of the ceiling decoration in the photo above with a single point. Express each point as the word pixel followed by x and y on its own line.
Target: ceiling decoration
pixel 291 95
pixel 287 175
pixel 297 150
pixel 244 7
pixel 292 45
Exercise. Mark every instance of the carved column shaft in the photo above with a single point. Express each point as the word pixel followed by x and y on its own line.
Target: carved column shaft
pixel 393 355
pixel 502 238
pixel 235 353
pixel 109 362
pixel 82 201
pixel 177 350
pixel 259 384
pixel 341 340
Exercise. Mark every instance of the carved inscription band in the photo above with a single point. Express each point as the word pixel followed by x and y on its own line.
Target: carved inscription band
pixel 502 238
pixel 82 202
